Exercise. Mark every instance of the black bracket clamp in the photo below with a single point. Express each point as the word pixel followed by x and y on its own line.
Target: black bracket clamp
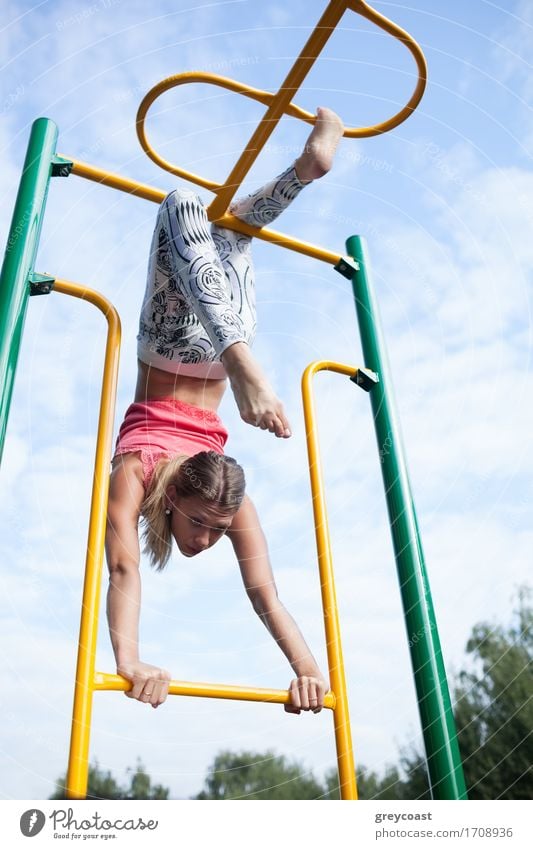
pixel 41 284
pixel 61 167
pixel 347 267
pixel 365 378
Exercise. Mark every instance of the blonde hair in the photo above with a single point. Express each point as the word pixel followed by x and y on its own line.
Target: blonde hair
pixel 216 479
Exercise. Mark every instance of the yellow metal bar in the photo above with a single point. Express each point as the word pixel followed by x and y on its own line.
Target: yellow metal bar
pixel 337 676
pixel 115 181
pixel 87 680
pixel 280 239
pixel 402 35
pixel 83 691
pixel 280 103
pixel 105 681
pixel 132 187
pixel 187 78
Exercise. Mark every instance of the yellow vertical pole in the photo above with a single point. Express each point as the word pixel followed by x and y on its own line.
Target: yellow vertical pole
pixel 78 764
pixel 341 716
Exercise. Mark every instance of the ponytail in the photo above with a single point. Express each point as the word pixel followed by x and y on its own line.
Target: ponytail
pixel 214 478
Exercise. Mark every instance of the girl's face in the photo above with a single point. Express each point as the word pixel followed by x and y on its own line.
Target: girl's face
pixel 196 525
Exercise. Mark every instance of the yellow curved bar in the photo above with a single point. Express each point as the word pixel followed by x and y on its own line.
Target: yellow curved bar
pixel 402 35
pixel 185 78
pixel 341 716
pixel 105 681
pixel 280 103
pixel 142 190
pixel 83 691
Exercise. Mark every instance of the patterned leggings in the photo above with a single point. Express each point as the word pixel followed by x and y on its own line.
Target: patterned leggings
pixel 200 291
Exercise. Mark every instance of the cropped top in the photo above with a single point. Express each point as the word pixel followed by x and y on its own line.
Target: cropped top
pixel 165 427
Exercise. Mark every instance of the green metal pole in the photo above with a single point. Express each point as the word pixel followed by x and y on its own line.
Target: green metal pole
pixel 438 725
pixel 19 259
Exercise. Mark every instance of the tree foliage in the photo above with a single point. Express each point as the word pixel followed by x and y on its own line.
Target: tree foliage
pixel 258 775
pixel 494 709
pixel 369 784
pixel 493 714
pixel 102 785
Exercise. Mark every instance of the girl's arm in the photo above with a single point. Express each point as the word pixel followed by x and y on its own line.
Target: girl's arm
pixel 248 540
pixel 126 493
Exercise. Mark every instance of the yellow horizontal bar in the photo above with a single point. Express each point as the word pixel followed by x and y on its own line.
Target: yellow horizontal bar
pixel 106 681
pixel 142 190
pixel 275 238
pixel 115 181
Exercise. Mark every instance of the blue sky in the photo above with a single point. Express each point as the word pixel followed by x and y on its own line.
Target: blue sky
pixel 446 203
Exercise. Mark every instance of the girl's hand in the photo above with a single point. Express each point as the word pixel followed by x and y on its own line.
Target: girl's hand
pixel 149 683
pixel 307 693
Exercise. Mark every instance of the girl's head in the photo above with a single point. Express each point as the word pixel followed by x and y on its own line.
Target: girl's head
pixel 192 500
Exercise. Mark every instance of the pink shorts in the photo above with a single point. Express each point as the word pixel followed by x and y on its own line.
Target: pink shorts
pixel 164 427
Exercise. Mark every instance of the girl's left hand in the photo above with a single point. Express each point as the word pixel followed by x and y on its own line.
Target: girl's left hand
pixel 307 693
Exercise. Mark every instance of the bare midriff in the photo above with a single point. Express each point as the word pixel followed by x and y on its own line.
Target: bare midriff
pixel 156 383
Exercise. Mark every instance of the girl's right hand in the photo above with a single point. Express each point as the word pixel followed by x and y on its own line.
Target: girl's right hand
pixel 149 683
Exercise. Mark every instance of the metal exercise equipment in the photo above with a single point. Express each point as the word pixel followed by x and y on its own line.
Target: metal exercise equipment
pixel 19 281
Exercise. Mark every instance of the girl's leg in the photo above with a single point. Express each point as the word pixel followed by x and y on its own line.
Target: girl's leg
pixel 222 305
pixel 197 271
pixel 234 249
pixel 257 209
pixel 215 307
pixel 264 205
pixel 255 398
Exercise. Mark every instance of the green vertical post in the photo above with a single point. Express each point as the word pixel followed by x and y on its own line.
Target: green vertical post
pixel 438 725
pixel 19 258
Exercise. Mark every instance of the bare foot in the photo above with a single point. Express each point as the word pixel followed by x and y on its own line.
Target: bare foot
pixel 257 403
pixel 316 158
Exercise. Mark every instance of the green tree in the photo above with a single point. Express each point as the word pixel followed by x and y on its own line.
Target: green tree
pixel 102 785
pixel 493 713
pixel 258 775
pixel 369 784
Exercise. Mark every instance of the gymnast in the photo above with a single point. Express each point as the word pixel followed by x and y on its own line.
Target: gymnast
pixel 169 471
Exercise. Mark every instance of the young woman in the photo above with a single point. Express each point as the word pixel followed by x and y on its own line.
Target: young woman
pixel 196 327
